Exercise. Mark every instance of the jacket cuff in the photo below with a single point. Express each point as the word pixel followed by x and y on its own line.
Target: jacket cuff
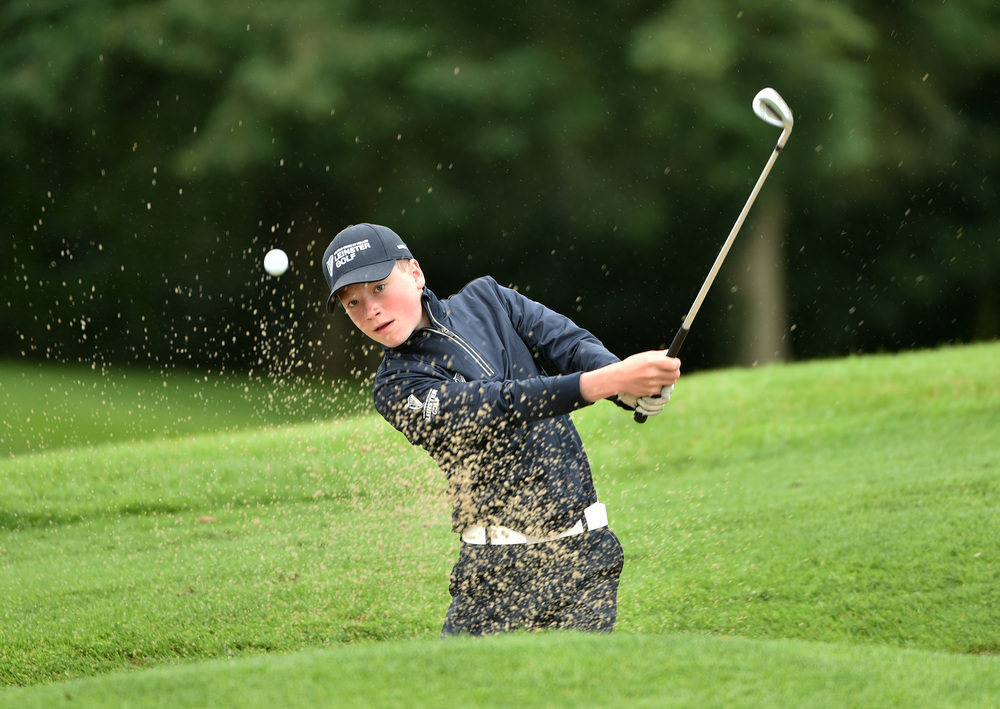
pixel 566 393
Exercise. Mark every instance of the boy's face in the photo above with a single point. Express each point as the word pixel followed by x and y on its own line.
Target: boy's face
pixel 390 310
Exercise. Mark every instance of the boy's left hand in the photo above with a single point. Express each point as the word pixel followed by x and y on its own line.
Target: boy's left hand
pixel 647 405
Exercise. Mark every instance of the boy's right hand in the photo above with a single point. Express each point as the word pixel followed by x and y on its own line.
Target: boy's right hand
pixel 649 373
pixel 645 374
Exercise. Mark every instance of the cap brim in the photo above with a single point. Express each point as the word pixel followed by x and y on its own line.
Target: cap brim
pixel 365 274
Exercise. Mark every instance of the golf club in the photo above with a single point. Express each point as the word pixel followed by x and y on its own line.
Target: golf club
pixel 769 107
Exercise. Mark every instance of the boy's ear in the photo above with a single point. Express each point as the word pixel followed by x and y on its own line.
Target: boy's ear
pixel 418 273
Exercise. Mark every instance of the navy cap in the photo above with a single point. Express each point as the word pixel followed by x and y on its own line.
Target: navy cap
pixel 361 253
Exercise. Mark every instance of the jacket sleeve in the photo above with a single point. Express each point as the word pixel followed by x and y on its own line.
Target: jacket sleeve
pixel 559 344
pixel 434 411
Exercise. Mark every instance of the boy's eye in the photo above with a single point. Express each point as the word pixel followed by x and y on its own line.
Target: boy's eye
pixel 380 287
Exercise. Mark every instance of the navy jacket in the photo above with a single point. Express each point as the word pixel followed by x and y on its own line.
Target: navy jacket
pixel 487 390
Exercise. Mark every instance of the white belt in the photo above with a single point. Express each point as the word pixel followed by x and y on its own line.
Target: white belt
pixel 594 517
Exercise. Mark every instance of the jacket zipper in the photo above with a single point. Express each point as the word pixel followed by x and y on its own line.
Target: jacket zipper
pixel 478 358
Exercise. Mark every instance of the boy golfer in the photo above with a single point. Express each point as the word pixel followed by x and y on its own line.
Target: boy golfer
pixel 485 381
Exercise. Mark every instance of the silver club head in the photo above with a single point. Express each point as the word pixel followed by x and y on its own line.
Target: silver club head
pixel 770 107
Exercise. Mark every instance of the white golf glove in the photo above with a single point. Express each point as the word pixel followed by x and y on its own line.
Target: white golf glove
pixel 647 405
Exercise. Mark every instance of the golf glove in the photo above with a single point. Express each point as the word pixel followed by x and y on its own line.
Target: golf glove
pixel 647 405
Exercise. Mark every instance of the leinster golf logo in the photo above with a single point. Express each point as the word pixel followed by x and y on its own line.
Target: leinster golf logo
pixel 431 406
pixel 346 254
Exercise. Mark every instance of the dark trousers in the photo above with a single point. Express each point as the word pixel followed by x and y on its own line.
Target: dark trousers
pixel 567 583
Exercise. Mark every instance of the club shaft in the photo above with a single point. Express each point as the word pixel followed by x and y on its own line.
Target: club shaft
pixel 700 298
pixel 678 340
pixel 675 345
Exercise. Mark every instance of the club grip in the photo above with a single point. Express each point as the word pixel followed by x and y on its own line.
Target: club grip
pixel 675 347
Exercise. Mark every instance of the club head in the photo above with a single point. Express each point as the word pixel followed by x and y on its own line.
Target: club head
pixel 770 107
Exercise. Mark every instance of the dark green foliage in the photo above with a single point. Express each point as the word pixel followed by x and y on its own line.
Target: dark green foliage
pixel 594 157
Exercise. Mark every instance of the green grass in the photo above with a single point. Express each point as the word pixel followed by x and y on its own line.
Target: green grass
pixel 821 534
pixel 570 671
pixel 50 406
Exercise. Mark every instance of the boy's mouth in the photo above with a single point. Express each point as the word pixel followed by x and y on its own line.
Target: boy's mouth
pixel 383 327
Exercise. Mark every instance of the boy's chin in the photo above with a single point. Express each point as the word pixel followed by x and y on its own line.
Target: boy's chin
pixel 391 339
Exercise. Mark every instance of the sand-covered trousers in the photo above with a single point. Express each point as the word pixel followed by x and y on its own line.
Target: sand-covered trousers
pixel 567 583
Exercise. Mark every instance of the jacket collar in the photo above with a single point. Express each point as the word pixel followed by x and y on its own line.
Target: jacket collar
pixel 433 305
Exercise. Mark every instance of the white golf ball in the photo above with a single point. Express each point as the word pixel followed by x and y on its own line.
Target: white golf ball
pixel 276 262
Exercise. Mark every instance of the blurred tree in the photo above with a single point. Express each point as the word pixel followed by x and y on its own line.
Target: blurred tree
pixel 890 100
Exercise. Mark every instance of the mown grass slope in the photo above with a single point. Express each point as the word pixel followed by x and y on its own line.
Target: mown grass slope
pixel 823 532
